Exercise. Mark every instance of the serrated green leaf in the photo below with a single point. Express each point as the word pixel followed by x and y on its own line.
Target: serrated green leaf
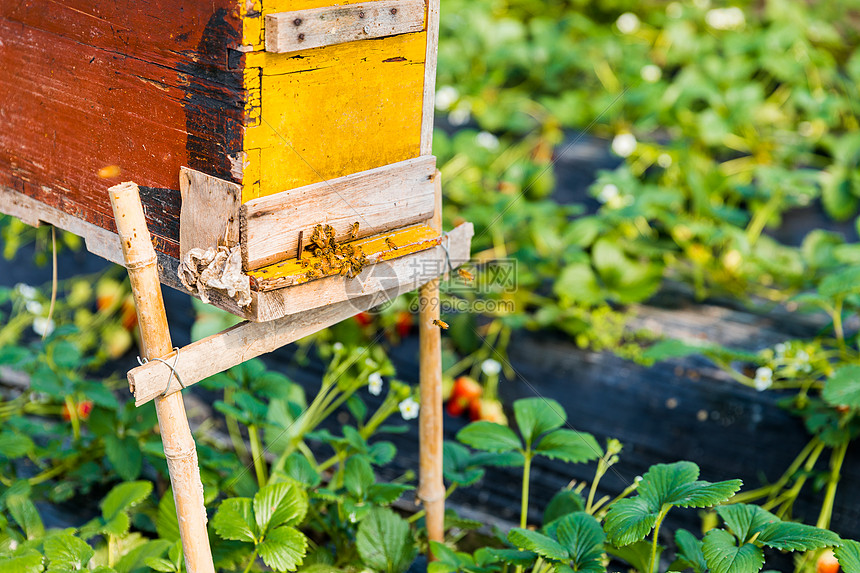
pixel 25 515
pixel 29 561
pixel 724 556
pixel 358 476
pixel 843 388
pixel 489 436
pixel 789 536
pixel 118 526
pixel 300 469
pixel 13 446
pixel 457 466
pixel 235 520
pixel 690 550
pixel 538 415
pixel 283 549
pixel 123 497
pixel 840 283
pixel 277 504
pixel 629 520
pixel 581 535
pixel 745 520
pixel 166 522
pixel 569 446
pixel 536 542
pixel 65 354
pixel 124 455
pixel 848 555
pixel 675 484
pixel 385 541
pixel 381 453
pixel 490 555
pixel 65 552
pixel 134 560
pixel 386 493
pixel 562 503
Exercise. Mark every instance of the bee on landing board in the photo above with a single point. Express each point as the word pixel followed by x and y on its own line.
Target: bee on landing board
pixel 353 231
pixel 390 243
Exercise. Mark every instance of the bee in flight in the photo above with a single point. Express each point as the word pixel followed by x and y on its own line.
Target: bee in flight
pixel 390 243
pixel 353 231
pixel 440 323
pixel 466 275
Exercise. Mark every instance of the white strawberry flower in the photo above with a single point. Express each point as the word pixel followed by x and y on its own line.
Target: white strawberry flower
pixel 763 378
pixel 408 409
pixel 374 384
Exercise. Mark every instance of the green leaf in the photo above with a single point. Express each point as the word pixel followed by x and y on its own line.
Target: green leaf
pixel 300 469
pixel 723 555
pixel 13 446
pixel 629 520
pixel 745 520
pixel 581 535
pixel 124 455
pixel 160 564
pixel 381 453
pixel 358 476
pixel 283 503
pixel 675 484
pixel 386 493
pixel 636 554
pixel 690 550
pixel 234 520
pixel 562 503
pixel 840 283
pixel 283 549
pixel 577 283
pixel 848 555
pixel 385 542
pixel 123 497
pixel 671 348
pixel 537 542
pixel 789 536
pixel 489 555
pixel 843 388
pixel 489 436
pixel 65 552
pixel 30 561
pixel 569 446
pixel 166 522
pixel 65 354
pixel 25 514
pixel 457 466
pixel 538 415
pixel 134 561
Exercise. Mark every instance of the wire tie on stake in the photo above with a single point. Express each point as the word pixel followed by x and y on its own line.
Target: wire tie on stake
pixel 447 254
pixel 172 367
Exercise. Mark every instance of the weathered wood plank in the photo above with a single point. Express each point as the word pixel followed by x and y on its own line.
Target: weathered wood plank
pixel 210 211
pixel 430 60
pixel 376 248
pixel 379 200
pixel 247 340
pixel 296 30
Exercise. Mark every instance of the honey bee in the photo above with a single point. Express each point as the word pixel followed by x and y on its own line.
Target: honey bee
pixel 304 263
pixel 441 324
pixel 312 274
pixel 353 231
pixel 390 243
pixel 466 275
pixel 345 269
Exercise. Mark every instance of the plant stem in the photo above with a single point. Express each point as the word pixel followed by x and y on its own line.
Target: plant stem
pixel 233 428
pixel 73 417
pixel 660 517
pixel 418 515
pixel 257 454
pixel 252 561
pixel 836 459
pixel 524 507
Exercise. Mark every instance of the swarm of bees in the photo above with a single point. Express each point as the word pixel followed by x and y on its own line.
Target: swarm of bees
pixel 346 260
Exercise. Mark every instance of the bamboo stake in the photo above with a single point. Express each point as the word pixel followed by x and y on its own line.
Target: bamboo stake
pixel 431 487
pixel 179 447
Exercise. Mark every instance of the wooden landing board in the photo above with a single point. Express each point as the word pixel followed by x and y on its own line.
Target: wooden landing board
pixel 305 29
pixel 293 272
pixel 379 200
pixel 244 341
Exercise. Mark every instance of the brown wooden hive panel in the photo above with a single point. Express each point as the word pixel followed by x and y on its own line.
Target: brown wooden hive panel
pixel 145 86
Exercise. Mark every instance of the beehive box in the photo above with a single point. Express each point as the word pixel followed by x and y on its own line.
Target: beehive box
pixel 246 123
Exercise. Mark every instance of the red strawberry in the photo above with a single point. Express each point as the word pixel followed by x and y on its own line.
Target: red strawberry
pixel 465 392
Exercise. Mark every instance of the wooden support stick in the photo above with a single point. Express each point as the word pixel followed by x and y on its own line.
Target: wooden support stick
pixel 431 487
pixel 179 448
